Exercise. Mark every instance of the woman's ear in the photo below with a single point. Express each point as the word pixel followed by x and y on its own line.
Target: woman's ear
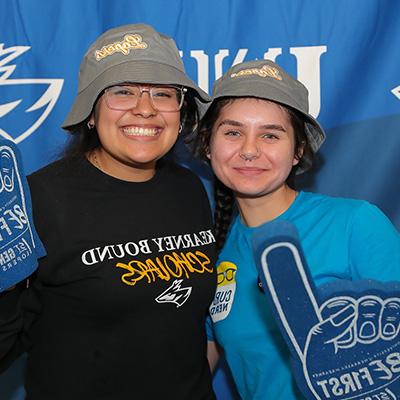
pixel 299 153
pixel 90 123
pixel 92 118
pixel 208 153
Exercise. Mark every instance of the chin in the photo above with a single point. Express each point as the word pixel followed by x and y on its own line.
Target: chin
pixel 249 195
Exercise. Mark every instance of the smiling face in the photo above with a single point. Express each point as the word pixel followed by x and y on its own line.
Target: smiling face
pixel 132 141
pixel 252 148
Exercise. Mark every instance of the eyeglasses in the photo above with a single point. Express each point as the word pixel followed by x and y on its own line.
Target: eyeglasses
pixel 228 275
pixel 163 98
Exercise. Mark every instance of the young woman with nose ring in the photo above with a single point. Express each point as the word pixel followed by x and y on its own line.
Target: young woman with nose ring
pixel 258 136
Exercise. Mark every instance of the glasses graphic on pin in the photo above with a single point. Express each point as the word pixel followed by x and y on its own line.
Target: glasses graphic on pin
pixel 227 275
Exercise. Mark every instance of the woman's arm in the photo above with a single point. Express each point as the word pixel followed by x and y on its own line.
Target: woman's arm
pixel 213 354
pixel 11 324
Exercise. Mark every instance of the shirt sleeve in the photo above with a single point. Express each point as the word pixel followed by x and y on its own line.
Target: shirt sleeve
pixel 11 323
pixel 374 245
pixel 19 309
pixel 210 329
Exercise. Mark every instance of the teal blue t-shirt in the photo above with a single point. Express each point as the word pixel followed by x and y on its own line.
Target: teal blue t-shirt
pixel 341 239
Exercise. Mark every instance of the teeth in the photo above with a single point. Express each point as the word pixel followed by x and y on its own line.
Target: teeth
pixel 139 131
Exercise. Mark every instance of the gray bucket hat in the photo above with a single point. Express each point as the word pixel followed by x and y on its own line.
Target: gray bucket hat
pixel 130 53
pixel 267 80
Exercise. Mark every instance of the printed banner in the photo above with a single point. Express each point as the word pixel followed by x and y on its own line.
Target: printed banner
pixel 344 51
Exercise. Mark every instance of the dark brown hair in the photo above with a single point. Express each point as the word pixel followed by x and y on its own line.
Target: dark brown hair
pixel 224 197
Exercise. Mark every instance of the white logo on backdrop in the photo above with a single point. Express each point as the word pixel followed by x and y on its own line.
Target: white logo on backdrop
pixel 47 100
pixel 396 92
pixel 308 68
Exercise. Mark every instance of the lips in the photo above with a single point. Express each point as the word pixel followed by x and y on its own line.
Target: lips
pixel 140 131
pixel 250 171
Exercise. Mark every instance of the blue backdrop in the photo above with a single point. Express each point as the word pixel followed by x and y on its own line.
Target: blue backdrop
pixel 345 51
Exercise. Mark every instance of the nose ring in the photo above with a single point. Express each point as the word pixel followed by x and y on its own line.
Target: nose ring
pixel 248 156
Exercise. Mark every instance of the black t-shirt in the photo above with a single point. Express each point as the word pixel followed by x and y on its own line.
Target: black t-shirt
pixel 119 303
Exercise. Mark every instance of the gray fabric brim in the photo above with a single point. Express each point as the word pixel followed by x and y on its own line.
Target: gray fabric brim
pixel 130 71
pixel 314 131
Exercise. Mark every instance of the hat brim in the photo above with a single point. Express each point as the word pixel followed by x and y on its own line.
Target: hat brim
pixel 131 71
pixel 314 131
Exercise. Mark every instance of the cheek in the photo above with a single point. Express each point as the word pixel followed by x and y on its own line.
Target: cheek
pixel 105 119
pixel 219 154
pixel 220 161
pixel 219 171
pixel 172 120
pixel 171 133
pixel 220 150
pixel 282 156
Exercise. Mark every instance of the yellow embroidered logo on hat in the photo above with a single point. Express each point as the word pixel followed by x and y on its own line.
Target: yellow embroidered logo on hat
pixel 130 42
pixel 264 71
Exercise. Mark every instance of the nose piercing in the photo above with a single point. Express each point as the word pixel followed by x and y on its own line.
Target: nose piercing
pixel 248 156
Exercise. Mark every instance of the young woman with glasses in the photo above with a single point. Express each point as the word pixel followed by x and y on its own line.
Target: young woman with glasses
pixel 117 308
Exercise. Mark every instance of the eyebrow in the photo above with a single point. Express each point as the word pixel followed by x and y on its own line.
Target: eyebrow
pixel 238 124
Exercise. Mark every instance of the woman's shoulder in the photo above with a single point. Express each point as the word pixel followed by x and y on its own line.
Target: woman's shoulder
pixel 321 207
pixel 56 174
pixel 63 166
pixel 332 203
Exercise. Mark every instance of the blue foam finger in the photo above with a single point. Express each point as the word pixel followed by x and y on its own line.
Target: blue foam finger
pixel 343 338
pixel 20 246
pixel 286 281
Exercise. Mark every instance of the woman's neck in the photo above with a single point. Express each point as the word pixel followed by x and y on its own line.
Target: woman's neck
pixel 119 169
pixel 258 210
